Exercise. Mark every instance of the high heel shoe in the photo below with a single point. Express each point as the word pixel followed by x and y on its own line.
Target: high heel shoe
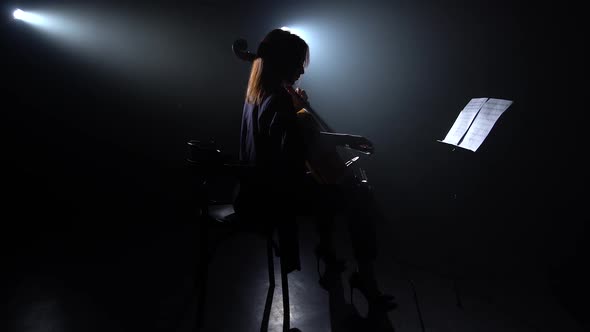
pixel 332 264
pixel 377 301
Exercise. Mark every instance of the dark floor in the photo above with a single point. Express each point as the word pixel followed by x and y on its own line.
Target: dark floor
pixel 103 277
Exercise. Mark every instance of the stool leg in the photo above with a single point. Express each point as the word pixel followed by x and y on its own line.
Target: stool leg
pixel 286 307
pixel 202 274
pixel 271 285
pixel 271 264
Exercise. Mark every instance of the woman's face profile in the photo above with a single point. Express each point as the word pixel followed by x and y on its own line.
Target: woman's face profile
pixel 297 72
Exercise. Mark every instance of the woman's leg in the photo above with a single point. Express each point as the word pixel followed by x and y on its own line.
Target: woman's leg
pixel 317 206
pixel 364 214
pixel 361 217
pixel 288 235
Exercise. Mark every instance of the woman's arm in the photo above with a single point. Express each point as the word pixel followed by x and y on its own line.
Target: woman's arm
pixel 300 102
pixel 353 141
pixel 335 138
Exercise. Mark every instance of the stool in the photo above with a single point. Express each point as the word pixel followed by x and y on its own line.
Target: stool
pixel 206 161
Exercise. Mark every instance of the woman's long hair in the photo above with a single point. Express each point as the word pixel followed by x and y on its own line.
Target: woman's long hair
pixel 279 56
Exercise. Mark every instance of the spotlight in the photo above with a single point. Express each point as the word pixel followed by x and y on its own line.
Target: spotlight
pixel 27 17
pixel 18 14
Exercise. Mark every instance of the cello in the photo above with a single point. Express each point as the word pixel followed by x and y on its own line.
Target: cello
pixel 326 162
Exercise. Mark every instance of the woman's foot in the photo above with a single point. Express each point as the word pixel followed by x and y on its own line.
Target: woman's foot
pixel 378 302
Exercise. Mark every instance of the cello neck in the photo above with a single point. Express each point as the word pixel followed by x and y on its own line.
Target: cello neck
pixel 319 120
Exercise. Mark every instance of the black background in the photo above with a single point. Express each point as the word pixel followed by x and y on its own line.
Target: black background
pixel 92 161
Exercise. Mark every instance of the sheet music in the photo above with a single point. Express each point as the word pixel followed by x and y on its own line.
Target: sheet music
pixel 463 121
pixel 483 123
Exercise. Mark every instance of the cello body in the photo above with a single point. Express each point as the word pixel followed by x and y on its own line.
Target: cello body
pixel 323 161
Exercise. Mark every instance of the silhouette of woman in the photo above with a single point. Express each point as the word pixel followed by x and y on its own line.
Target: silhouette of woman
pixel 273 139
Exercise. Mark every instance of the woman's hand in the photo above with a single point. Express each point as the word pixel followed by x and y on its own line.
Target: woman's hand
pixel 299 97
pixel 360 143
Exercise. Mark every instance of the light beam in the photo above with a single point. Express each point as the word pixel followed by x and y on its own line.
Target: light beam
pixel 28 17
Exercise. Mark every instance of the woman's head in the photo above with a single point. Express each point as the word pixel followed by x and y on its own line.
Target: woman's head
pixel 281 57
